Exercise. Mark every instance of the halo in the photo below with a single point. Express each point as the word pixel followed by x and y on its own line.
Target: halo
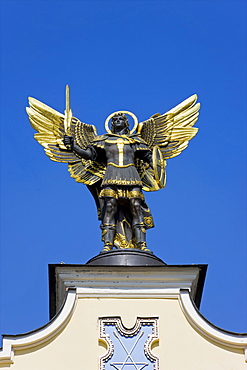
pixel 125 112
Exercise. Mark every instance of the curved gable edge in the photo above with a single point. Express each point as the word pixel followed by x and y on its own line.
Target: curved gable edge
pixel 207 329
pixel 40 335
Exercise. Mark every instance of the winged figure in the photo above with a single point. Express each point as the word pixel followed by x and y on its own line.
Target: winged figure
pixel 117 166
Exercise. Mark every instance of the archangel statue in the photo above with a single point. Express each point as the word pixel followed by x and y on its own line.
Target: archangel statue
pixel 119 165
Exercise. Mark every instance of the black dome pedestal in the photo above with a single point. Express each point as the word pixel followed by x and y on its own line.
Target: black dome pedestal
pixel 126 257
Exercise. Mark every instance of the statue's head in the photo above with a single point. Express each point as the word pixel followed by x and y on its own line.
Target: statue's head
pixel 119 123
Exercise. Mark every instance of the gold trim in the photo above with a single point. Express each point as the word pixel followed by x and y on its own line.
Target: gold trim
pixel 122 243
pixel 120 146
pixel 144 247
pixel 121 193
pixel 108 193
pixel 123 139
pixel 121 182
pixel 142 147
pixel 107 247
pixel 149 221
pixel 99 213
pixel 136 194
pixel 158 161
pixel 122 166
pixel 103 234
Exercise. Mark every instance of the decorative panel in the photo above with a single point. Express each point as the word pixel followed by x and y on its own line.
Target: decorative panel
pixel 129 349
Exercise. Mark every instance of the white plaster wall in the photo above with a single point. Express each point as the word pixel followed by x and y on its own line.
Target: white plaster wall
pixel 77 347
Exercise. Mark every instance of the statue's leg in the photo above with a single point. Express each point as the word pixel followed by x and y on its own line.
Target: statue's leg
pixel 109 223
pixel 138 226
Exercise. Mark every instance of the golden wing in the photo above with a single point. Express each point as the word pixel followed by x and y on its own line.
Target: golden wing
pixel 172 130
pixel 49 125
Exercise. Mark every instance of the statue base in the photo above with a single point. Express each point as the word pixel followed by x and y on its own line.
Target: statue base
pixel 126 257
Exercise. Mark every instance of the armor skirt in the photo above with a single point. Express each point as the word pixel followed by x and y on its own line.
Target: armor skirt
pixel 119 192
pixel 123 176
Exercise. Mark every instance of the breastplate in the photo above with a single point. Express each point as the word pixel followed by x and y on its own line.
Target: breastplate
pixel 120 152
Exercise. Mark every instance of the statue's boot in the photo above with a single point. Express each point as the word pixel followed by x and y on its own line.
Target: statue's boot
pixel 108 233
pixel 140 235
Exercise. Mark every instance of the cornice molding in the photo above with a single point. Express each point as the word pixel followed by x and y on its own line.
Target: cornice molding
pixel 41 335
pixel 208 330
pixel 117 282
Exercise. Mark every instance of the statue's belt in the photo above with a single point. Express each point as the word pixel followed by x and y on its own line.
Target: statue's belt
pixel 120 166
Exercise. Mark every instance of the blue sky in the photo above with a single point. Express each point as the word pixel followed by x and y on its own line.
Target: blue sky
pixel 145 57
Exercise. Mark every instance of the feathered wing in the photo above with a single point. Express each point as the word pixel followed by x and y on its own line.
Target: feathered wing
pixel 49 125
pixel 171 131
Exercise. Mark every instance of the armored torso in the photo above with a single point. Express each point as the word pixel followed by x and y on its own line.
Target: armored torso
pixel 120 152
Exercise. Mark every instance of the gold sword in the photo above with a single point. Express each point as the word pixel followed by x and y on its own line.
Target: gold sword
pixel 67 114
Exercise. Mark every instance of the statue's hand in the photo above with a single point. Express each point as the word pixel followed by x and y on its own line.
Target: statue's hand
pixel 68 142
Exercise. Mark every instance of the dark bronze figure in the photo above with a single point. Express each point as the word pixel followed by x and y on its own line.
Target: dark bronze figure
pixel 121 188
pixel 119 165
